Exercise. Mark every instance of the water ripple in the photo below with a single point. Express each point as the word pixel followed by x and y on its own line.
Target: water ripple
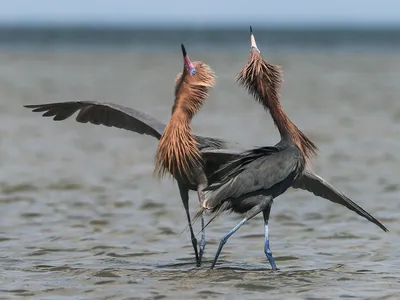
pixel 82 217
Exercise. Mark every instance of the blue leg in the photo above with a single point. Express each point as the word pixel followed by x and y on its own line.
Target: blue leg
pixel 225 239
pixel 203 239
pixel 267 249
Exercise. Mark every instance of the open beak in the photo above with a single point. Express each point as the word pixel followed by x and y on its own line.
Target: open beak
pixel 253 40
pixel 188 64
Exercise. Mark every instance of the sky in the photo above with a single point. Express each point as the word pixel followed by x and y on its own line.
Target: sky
pixel 204 12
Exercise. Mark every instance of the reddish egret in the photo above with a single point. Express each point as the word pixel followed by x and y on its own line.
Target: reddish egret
pixel 179 152
pixel 251 181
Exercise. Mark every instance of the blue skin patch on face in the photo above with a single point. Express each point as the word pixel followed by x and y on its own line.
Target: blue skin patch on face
pixel 192 71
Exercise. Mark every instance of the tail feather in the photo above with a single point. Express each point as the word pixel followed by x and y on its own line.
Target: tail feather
pixel 223 207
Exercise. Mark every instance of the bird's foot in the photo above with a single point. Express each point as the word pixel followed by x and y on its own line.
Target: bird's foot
pixel 268 253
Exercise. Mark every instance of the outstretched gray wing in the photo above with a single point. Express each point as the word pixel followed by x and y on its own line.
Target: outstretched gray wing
pixel 320 187
pixel 107 114
pixel 114 115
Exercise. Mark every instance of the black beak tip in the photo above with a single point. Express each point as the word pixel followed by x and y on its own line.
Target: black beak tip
pixel 251 30
pixel 183 50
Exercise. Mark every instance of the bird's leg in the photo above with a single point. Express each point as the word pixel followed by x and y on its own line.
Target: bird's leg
pixel 267 250
pixel 202 185
pixel 184 191
pixel 249 215
pixel 225 239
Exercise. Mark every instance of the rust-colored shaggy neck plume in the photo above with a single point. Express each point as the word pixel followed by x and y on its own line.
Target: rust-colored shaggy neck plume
pixel 177 151
pixel 263 81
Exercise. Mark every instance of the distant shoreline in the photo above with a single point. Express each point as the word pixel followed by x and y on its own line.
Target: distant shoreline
pixel 257 25
pixel 319 39
pixel 201 26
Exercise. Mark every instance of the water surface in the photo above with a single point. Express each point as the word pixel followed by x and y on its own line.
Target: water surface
pixel 82 216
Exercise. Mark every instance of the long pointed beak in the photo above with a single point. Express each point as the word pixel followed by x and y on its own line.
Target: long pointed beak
pixel 253 43
pixel 184 53
pixel 187 62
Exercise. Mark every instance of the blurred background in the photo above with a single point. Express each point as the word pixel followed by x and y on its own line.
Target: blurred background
pixel 81 215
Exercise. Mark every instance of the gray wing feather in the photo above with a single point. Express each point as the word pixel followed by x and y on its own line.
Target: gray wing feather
pixel 260 174
pixel 114 115
pixel 107 114
pixel 320 187
pixel 215 158
pixel 221 154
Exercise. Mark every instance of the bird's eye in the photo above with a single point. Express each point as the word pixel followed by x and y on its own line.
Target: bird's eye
pixel 192 71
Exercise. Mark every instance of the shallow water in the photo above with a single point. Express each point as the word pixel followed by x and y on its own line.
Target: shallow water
pixel 82 216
